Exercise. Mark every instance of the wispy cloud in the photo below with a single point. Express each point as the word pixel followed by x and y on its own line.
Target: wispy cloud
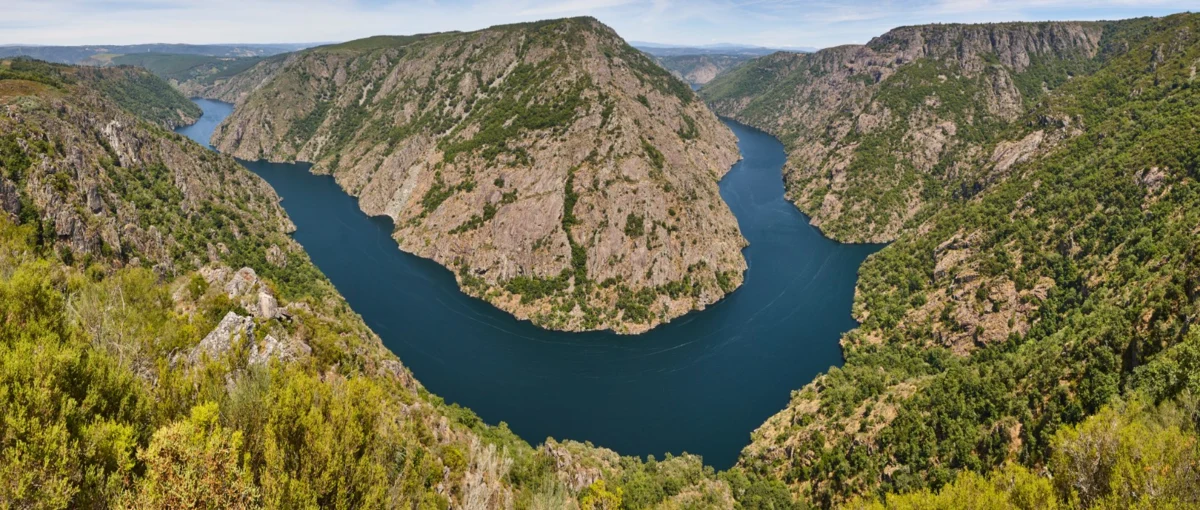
pixel 763 22
pixel 573 7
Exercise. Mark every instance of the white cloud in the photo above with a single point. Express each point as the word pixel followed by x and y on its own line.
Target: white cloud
pixel 573 7
pixel 763 22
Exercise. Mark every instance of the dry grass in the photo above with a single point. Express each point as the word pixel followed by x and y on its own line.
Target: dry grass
pixel 16 88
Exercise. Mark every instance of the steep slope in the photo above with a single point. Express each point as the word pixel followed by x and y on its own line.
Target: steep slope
pixel 135 90
pixel 193 75
pixel 698 70
pixel 560 173
pixel 224 79
pixel 165 344
pixel 100 55
pixel 880 136
pixel 1065 286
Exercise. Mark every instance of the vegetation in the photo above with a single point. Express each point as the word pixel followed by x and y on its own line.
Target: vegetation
pixel 1129 455
pixel 201 69
pixel 144 95
pixel 136 91
pixel 635 225
pixel 109 400
pixel 992 333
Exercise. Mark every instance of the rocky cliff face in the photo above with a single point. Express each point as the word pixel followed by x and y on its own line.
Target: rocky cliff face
pixel 234 88
pixel 698 70
pixel 560 173
pixel 880 135
pixel 101 181
pixel 233 317
pixel 1065 280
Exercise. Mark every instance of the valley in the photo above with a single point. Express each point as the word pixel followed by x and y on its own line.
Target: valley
pixel 774 334
pixel 571 185
pixel 568 248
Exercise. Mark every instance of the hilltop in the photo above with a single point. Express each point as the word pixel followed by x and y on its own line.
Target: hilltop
pixel 1039 183
pixel 881 135
pixel 166 344
pixel 560 173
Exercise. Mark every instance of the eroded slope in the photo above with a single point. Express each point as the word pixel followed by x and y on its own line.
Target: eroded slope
pixel 560 173
pixel 165 344
pixel 881 135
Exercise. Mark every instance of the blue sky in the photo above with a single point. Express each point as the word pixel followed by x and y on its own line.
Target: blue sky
pixel 775 23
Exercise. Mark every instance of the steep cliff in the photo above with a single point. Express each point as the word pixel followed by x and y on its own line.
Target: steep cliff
pixel 165 344
pixel 560 173
pixel 1066 284
pixel 698 70
pixel 881 135
pixel 228 80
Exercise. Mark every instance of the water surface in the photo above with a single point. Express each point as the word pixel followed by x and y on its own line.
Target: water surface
pixel 699 384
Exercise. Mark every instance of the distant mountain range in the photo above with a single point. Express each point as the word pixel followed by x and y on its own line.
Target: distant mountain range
pixel 672 50
pixel 99 54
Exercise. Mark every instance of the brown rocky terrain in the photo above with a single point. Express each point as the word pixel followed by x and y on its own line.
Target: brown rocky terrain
pixel 881 135
pixel 698 70
pixel 235 88
pixel 171 272
pixel 1037 182
pixel 560 173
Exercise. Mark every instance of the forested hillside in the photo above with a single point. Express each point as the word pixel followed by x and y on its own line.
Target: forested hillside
pixel 135 90
pixel 165 344
pixel 560 173
pixel 1025 341
pixel 1066 284
pixel 698 70
pixel 882 135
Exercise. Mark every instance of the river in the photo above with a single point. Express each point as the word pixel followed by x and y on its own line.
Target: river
pixel 699 384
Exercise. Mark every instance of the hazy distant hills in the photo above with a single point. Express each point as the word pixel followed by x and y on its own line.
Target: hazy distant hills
pixel 698 65
pixel 103 54
pixel 672 50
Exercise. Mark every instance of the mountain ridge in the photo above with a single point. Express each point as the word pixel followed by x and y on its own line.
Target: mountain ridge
pixel 571 184
pixel 166 344
pixel 851 96
pixel 1043 286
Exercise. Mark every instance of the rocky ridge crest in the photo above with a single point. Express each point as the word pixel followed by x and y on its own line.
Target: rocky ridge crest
pixel 880 135
pixel 560 173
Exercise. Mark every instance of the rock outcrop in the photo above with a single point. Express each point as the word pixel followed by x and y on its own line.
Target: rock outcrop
pixel 105 182
pixel 882 134
pixel 235 88
pixel 698 70
pixel 560 173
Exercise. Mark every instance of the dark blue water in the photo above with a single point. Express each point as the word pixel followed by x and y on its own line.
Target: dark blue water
pixel 700 384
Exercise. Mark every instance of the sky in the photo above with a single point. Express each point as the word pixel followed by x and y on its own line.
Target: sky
pixel 771 23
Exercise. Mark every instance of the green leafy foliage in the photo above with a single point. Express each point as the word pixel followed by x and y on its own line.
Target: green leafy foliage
pixel 635 225
pixel 200 69
pixel 1127 456
pixel 1109 243
pixel 144 95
